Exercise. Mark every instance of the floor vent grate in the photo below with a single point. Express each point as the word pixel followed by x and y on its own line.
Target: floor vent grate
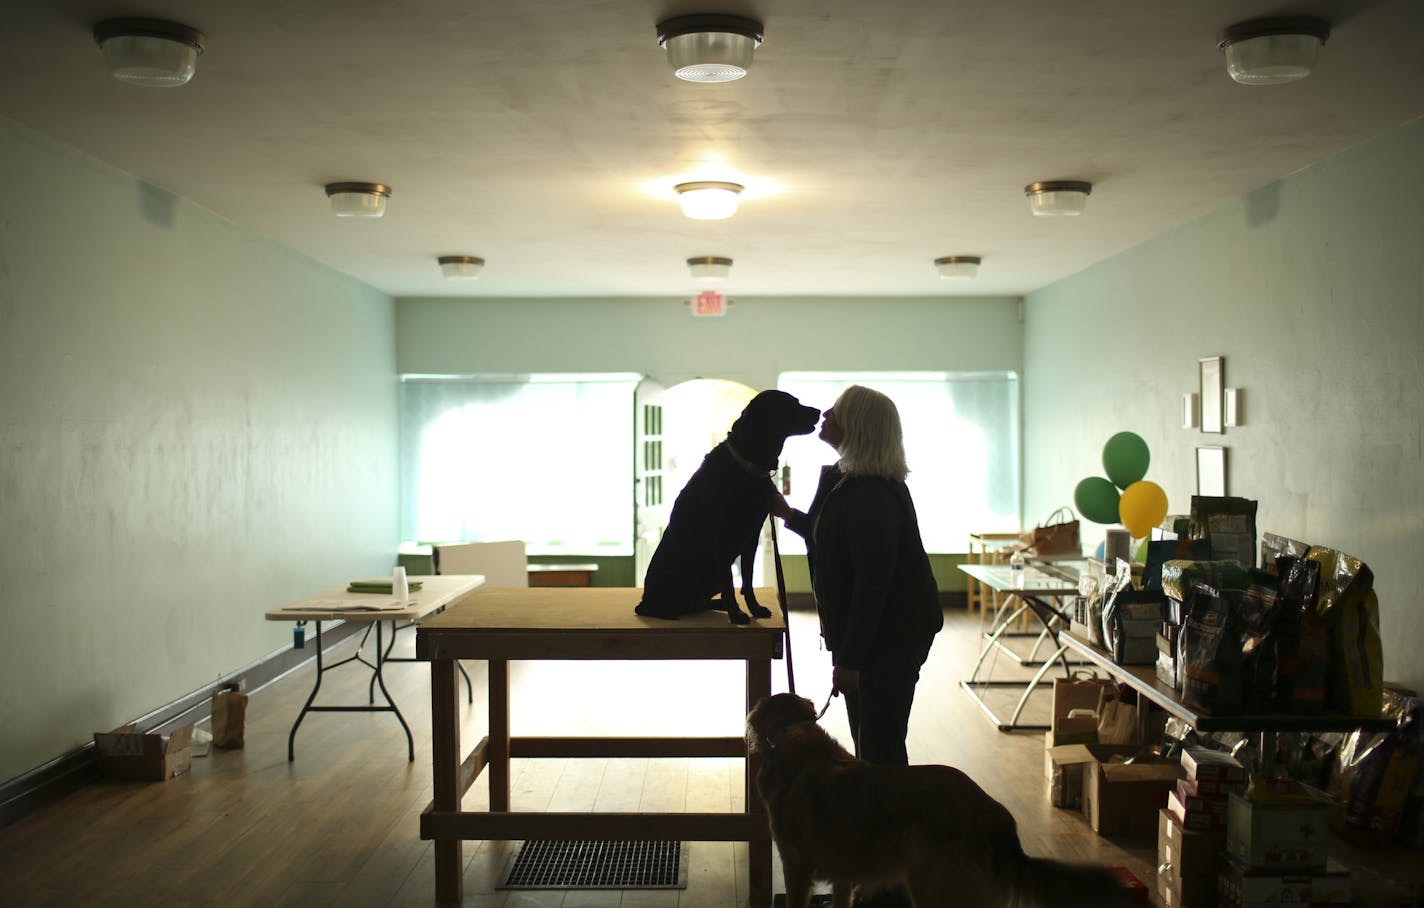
pixel 566 864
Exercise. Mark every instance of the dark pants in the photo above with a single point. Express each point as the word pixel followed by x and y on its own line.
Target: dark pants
pixel 880 711
pixel 879 721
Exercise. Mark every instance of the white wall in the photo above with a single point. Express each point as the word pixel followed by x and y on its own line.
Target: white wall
pixel 195 425
pixel 1312 288
pixel 752 344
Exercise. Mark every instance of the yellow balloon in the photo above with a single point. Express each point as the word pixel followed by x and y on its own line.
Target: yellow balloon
pixel 1142 507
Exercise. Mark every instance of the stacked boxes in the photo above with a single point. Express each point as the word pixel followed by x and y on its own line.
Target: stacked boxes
pixel 1188 863
pixel 1288 832
pixel 1199 801
pixel 1191 832
pixel 1244 887
pixel 1276 844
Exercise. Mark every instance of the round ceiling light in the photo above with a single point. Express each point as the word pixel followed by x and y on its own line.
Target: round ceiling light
pixel 710 47
pixel 1272 51
pixel 709 267
pixel 150 52
pixel 1058 198
pixel 708 200
pixel 958 266
pixel 358 200
pixel 461 267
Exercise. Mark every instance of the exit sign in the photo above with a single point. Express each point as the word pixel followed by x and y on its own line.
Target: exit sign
pixel 709 302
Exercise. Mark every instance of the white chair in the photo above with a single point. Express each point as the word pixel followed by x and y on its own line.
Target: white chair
pixel 503 564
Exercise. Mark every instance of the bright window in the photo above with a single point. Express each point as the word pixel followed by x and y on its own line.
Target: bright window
pixel 961 442
pixel 543 458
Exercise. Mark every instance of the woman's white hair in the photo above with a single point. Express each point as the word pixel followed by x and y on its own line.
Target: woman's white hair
pixel 872 443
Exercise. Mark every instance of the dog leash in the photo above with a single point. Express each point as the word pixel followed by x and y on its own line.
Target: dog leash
pixel 785 617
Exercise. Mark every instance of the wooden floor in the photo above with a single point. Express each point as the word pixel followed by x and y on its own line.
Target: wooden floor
pixel 339 826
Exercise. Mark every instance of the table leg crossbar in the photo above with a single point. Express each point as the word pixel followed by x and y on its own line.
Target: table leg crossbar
pixel 448 826
pixel 976 686
pixel 377 679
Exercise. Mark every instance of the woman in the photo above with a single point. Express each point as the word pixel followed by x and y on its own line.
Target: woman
pixel 875 592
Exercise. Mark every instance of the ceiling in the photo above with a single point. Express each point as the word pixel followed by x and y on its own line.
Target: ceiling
pixel 546 135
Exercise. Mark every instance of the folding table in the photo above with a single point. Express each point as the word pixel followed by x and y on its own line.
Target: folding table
pixel 1038 593
pixel 336 604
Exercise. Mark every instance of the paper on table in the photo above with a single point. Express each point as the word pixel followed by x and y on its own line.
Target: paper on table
pixel 348 605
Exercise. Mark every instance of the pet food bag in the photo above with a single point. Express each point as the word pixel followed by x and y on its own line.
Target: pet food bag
pixel 1302 640
pixel 1374 774
pixel 1346 601
pixel 1228 524
pixel 1210 653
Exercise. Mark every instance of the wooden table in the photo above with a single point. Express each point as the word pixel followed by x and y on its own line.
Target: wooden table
pixel 336 604
pixel 498 625
pixel 561 574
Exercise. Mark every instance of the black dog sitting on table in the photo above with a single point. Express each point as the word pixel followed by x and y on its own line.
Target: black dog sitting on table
pixel 718 515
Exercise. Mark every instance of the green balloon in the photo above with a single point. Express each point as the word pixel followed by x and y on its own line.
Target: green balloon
pixel 1125 459
pixel 1096 499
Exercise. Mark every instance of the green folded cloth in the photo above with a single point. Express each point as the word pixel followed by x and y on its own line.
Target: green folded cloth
pixel 379 586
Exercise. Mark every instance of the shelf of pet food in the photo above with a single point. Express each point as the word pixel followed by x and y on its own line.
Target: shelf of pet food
pixel 1143 679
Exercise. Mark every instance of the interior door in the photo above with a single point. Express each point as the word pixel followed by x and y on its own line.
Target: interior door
pixel 650 504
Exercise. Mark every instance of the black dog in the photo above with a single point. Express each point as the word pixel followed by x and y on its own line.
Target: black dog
pixel 717 516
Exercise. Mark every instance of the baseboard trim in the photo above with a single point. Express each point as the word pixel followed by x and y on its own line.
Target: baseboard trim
pixel 50 782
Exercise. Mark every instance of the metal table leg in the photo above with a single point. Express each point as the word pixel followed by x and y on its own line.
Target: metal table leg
pixel 322 668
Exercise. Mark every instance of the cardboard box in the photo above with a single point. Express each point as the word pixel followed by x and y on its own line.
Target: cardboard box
pixel 1245 887
pixel 127 754
pixel 1207 813
pixel 1122 799
pixel 1188 863
pixel 1277 836
pixel 1064 777
pixel 1205 788
pixel 1216 765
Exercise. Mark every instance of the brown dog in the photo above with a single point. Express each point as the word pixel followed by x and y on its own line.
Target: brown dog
pixel 837 818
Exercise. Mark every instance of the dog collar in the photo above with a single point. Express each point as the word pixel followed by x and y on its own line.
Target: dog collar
pixel 747 465
pixel 773 741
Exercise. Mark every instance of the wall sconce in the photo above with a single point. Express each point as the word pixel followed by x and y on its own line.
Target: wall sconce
pixel 710 47
pixel 358 200
pixel 1272 51
pixel 708 200
pixel 958 266
pixel 149 52
pixel 1058 198
pixel 460 267
pixel 1189 411
pixel 709 267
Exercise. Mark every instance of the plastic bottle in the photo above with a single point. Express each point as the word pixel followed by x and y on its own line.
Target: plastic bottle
pixel 1016 569
pixel 400 587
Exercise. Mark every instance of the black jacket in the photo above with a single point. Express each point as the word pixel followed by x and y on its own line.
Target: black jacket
pixel 875 591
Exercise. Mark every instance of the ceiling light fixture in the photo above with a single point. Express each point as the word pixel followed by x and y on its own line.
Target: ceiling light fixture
pixel 150 52
pixel 1272 51
pixel 358 200
pixel 958 266
pixel 461 267
pixel 1057 198
pixel 708 200
pixel 710 47
pixel 709 267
